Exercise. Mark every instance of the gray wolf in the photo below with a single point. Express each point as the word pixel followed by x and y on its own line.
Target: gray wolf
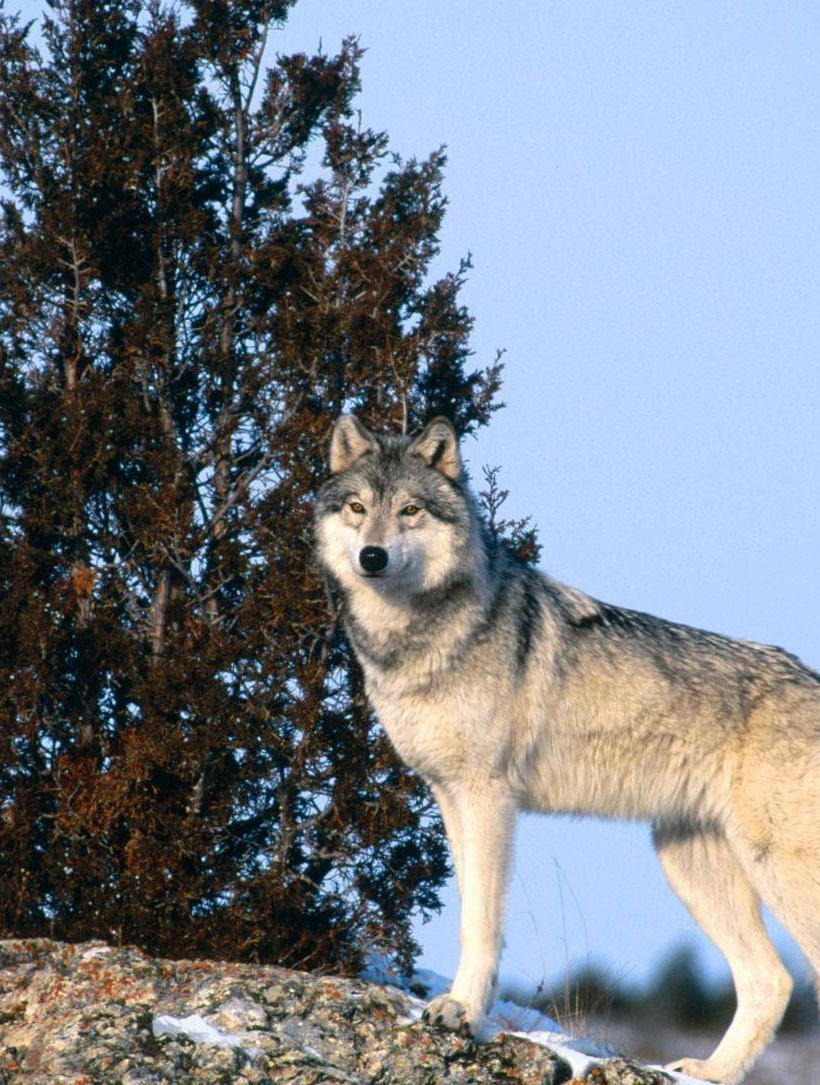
pixel 509 691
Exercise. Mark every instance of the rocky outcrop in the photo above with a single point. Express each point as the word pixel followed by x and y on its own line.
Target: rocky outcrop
pixel 94 1015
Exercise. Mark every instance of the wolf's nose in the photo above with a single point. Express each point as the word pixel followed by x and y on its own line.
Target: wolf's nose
pixel 373 559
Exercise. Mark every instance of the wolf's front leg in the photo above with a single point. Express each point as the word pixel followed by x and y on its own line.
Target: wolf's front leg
pixel 486 819
pixel 452 826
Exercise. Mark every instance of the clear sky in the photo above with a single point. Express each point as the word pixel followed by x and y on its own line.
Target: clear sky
pixel 639 184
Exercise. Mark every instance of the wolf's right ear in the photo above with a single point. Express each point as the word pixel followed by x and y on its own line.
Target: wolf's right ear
pixel 350 440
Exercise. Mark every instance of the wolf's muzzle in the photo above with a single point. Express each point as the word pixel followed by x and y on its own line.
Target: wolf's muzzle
pixel 373 559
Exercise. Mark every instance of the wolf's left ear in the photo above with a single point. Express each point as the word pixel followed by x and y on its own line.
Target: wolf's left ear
pixel 350 440
pixel 437 445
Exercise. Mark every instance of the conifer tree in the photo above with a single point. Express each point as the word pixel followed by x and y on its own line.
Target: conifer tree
pixel 188 299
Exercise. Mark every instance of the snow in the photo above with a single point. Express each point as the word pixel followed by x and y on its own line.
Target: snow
pixel 196 1028
pixel 505 1016
pixel 96 951
pixel 581 1052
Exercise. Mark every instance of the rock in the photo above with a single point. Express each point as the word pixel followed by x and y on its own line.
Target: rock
pixel 92 1014
pixel 622 1072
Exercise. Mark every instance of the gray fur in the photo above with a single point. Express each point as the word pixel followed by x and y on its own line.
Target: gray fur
pixel 509 691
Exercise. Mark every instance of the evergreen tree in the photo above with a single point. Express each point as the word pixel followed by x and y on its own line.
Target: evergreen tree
pixel 187 761
pixel 679 992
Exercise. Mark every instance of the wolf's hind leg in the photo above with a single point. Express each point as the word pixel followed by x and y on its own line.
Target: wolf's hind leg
pixel 703 871
pixel 787 874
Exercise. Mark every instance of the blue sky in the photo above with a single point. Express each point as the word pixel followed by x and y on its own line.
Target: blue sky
pixel 639 184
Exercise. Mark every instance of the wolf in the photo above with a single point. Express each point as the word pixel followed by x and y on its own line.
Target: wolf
pixel 508 691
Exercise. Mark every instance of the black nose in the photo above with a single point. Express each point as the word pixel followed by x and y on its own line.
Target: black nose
pixel 373 559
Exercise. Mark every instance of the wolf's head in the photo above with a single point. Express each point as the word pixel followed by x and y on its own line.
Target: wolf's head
pixel 395 511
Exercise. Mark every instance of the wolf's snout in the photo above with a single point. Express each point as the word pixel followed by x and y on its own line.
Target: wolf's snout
pixel 373 559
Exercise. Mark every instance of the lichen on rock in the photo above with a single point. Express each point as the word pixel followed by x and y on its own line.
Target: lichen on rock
pixel 92 1014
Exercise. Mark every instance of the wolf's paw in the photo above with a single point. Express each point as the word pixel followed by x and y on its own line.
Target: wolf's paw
pixel 705 1069
pixel 449 1013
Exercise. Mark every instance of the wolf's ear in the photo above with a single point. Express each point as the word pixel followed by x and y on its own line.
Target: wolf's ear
pixel 437 445
pixel 350 440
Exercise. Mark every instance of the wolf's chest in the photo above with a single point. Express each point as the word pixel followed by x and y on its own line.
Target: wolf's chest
pixel 434 731
pixel 421 728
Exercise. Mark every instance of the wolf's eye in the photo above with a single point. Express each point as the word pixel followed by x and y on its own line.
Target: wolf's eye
pixel 355 506
pixel 410 510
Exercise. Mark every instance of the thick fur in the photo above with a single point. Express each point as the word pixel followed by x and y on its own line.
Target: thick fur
pixel 508 691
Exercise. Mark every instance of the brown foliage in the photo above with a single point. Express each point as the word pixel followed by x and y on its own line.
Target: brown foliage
pixel 186 758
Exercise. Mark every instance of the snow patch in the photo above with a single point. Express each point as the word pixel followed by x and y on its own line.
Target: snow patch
pixel 581 1052
pixel 96 951
pixel 196 1028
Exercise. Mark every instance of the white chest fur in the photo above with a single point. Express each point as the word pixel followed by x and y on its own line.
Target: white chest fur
pixel 441 731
